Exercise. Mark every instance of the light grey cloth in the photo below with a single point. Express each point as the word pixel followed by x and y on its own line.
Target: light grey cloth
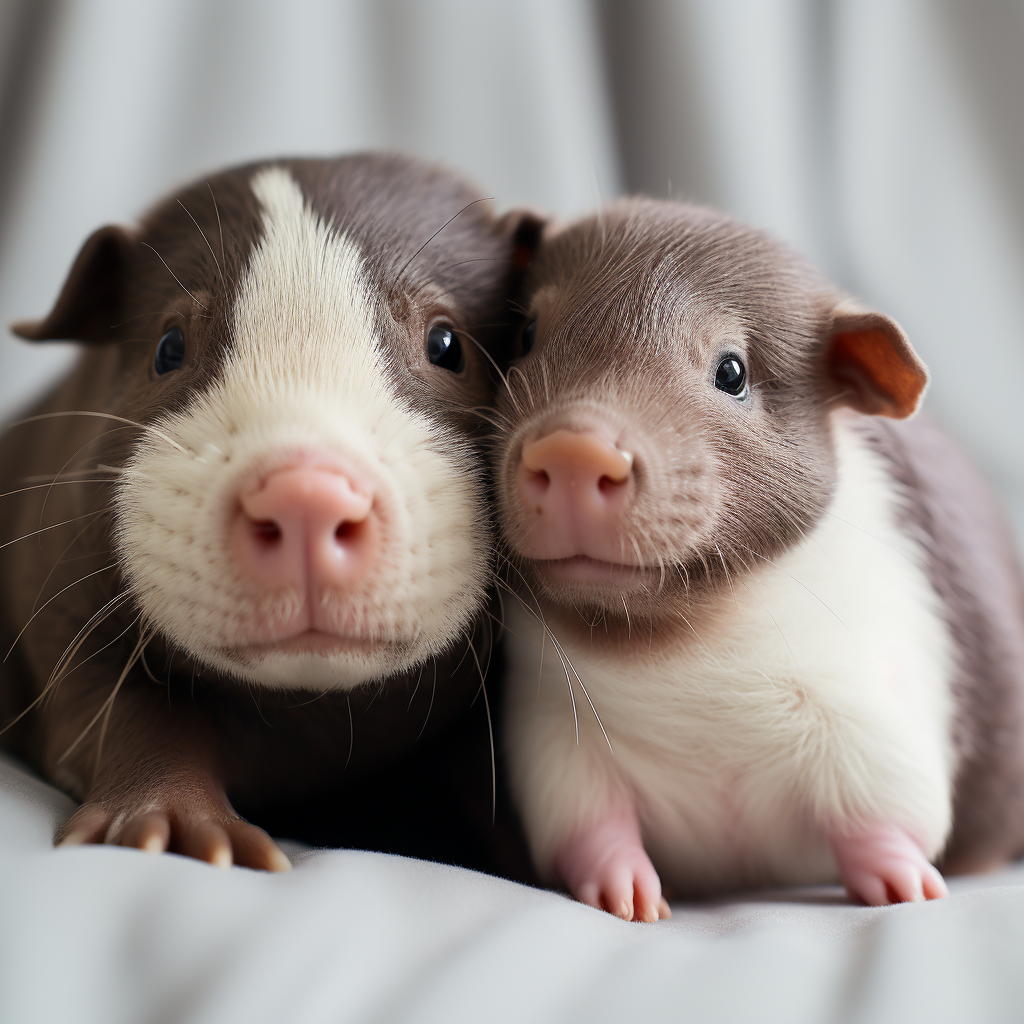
pixel 884 138
pixel 112 935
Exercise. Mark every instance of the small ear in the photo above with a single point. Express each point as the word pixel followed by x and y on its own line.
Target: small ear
pixel 874 364
pixel 91 298
pixel 526 226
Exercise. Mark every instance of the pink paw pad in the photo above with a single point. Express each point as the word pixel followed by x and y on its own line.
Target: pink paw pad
pixel 605 865
pixel 882 864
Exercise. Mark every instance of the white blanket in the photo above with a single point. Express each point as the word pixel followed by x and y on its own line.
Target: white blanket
pixel 114 935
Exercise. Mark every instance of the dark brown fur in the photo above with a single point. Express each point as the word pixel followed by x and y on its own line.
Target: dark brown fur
pixel 178 734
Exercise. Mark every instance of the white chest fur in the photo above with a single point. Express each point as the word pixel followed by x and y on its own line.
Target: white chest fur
pixel 816 697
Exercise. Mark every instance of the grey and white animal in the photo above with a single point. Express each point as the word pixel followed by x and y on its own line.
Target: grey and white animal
pixel 260 485
pixel 772 628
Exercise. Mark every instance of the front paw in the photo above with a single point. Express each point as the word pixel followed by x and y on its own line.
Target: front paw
pixel 605 865
pixel 203 826
pixel 882 864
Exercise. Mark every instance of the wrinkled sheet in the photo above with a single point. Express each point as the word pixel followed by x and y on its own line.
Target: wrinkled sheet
pixel 114 935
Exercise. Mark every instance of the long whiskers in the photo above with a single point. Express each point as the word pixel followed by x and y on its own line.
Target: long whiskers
pixel 351 731
pixel 99 650
pixel 60 483
pixel 175 276
pixel 108 705
pixel 99 415
pixel 727 576
pixel 416 688
pixel 220 226
pixel 67 462
pixel 88 576
pixel 69 653
pixel 408 263
pixel 55 526
pixel 430 706
pixel 59 670
pixel 490 735
pixel 48 478
pixel 567 664
pixel 770 561
pixel 497 369
pixel 205 239
pixel 526 384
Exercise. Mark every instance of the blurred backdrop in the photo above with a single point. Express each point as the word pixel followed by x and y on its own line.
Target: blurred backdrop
pixel 881 137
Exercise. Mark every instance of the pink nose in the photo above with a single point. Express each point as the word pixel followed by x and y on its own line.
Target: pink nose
pixel 574 486
pixel 306 526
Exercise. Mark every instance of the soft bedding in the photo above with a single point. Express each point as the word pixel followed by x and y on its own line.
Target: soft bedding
pixel 114 935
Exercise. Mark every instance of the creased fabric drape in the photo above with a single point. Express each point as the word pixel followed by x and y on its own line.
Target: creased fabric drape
pixel 882 137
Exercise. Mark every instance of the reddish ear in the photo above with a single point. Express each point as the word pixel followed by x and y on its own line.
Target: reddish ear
pixel 91 298
pixel 874 365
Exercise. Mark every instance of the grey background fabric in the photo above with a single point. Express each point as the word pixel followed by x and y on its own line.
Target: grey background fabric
pixel 111 935
pixel 882 137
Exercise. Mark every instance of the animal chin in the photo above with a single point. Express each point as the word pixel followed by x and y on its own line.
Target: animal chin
pixel 312 631
pixel 315 659
pixel 315 641
pixel 584 569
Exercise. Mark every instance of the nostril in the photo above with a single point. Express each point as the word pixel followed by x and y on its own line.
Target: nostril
pixel 534 484
pixel 347 531
pixel 539 479
pixel 607 486
pixel 266 532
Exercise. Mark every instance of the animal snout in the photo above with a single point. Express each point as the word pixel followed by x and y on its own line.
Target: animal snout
pixel 307 526
pixel 574 487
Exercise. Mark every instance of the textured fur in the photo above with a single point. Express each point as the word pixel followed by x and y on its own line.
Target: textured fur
pixel 795 701
pixel 825 628
pixel 304 290
pixel 306 370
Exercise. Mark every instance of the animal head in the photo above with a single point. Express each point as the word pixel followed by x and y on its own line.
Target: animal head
pixel 301 344
pixel 666 419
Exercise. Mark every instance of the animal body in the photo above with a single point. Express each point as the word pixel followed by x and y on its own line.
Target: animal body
pixel 771 626
pixel 245 554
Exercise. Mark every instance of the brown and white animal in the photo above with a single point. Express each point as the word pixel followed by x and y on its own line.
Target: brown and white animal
pixel 261 490
pixel 773 629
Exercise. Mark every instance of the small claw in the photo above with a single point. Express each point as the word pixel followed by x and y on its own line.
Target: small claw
pixel 87 825
pixel 253 848
pixel 624 909
pixel 605 865
pixel 882 863
pixel 220 858
pixel 206 841
pixel 870 891
pixel 644 909
pixel 149 832
pixel 908 886
pixel 276 859
pixel 935 887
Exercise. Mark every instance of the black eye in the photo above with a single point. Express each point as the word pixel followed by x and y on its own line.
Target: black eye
pixel 731 377
pixel 170 353
pixel 444 349
pixel 529 336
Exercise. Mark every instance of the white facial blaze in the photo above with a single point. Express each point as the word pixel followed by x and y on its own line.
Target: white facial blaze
pixel 303 319
pixel 305 372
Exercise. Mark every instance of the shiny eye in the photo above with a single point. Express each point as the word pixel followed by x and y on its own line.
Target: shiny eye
pixel 170 353
pixel 529 336
pixel 731 377
pixel 444 349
